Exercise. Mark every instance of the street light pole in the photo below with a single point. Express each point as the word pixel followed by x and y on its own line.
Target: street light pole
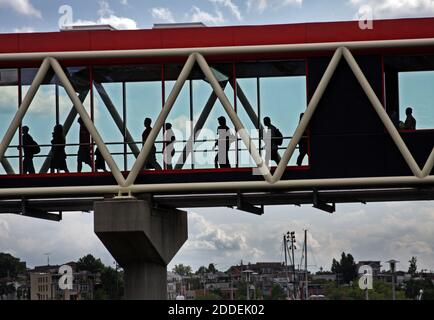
pixel 392 264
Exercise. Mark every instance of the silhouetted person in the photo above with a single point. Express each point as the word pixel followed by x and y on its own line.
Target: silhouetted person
pixel 303 146
pixel 272 142
pixel 58 157
pixel 30 148
pixel 99 161
pixel 223 143
pixel 169 146
pixel 410 122
pixel 84 149
pixel 151 161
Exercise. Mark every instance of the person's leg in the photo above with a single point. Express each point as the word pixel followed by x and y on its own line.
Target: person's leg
pixel 31 167
pixel 275 156
pixel 216 161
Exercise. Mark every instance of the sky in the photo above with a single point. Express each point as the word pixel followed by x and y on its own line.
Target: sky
pixel 225 237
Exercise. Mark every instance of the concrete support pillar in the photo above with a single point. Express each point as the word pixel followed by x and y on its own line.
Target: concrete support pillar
pixel 143 240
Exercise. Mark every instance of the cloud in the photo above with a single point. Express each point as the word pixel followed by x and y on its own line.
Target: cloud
pixel 69 240
pixel 107 16
pixel 397 8
pixel 212 237
pixel 229 4
pixel 225 237
pixel 162 14
pixel 24 30
pixel 197 15
pixel 261 5
pixel 124 2
pixel 21 6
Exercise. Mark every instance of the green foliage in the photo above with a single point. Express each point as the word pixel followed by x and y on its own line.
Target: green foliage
pixel 202 270
pixel 212 268
pixel 112 283
pixel 10 266
pixel 277 293
pixel 209 296
pixel 381 291
pixel 346 267
pixel 182 270
pixel 412 269
pixel 111 287
pixel 413 287
pixel 90 263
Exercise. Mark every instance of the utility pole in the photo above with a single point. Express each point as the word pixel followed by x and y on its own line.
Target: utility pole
pixel 285 249
pixel 305 267
pixel 293 241
pixel 392 264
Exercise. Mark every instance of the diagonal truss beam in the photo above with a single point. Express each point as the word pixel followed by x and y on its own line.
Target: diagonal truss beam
pixel 391 129
pixel 7 166
pixel 239 127
pixel 66 127
pixel 141 159
pixel 312 106
pixel 22 110
pixel 116 118
pixel 87 121
pixel 197 128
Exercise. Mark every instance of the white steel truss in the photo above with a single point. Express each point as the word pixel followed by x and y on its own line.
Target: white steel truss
pixel 272 181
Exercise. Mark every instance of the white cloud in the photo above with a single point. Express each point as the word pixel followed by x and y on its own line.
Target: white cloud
pixel 198 15
pixel 124 2
pixel 104 9
pixel 397 8
pixel 107 16
pixel 71 239
pixel 24 30
pixel 235 10
pixel 162 14
pixel 213 237
pixel 21 6
pixel 261 5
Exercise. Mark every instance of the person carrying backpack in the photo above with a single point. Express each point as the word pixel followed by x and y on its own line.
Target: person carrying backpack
pixel 30 148
pixel 273 140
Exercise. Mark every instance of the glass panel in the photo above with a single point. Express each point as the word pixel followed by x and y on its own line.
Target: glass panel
pixel 205 146
pixel 41 115
pixel 8 108
pixel 68 117
pixel 415 92
pixel 248 111
pixel 144 99
pixel 282 98
pixel 179 118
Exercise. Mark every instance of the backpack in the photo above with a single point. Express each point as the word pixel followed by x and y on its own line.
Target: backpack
pixel 278 138
pixel 35 148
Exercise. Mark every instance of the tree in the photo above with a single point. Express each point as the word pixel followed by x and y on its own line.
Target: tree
pixel 346 267
pixel 202 270
pixel 336 267
pixel 90 263
pixel 112 284
pixel 413 287
pixel 413 267
pixel 212 268
pixel 10 266
pixel 182 270
pixel 277 292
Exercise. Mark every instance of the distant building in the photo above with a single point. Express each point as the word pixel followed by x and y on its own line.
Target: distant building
pixel 44 284
pixel 375 265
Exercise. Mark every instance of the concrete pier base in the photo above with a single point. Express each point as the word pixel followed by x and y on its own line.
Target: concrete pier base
pixel 143 240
